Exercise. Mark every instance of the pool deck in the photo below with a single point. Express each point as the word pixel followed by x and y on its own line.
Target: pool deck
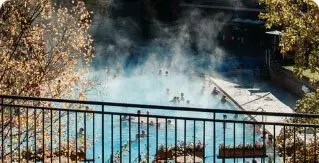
pixel 248 101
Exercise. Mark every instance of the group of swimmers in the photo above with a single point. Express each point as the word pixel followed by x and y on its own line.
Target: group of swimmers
pixel 160 73
pixel 216 92
pixel 177 99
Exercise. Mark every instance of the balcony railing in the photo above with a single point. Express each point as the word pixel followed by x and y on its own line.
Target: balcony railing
pixel 57 130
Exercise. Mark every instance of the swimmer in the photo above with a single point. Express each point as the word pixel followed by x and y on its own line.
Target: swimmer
pixel 215 91
pixel 187 102
pixel 139 112
pixel 152 123
pixel 174 100
pixel 166 73
pixel 160 72
pixel 177 100
pixel 223 100
pixel 125 117
pixel 169 121
pixel 182 97
pixel 143 134
pixel 81 131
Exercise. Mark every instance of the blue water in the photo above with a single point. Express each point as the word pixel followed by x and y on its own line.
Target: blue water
pixel 151 88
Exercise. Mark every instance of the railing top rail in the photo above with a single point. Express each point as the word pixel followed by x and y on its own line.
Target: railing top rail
pixel 161 107
pixel 167 116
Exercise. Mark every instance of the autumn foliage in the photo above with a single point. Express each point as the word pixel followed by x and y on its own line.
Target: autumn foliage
pixel 45 51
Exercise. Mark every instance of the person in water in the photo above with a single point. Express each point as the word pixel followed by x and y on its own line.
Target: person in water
pixel 160 72
pixel 166 73
pixel 81 131
pixel 174 100
pixel 223 100
pixel 177 100
pixel 143 134
pixel 187 102
pixel 182 97
pixel 125 117
pixel 215 91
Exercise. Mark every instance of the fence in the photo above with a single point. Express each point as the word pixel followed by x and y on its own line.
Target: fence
pixel 57 130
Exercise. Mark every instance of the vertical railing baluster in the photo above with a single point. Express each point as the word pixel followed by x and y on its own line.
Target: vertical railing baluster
pixel 166 150
pixel 51 135
pixel 204 141
pixel 234 141
pixel 244 143
pixel 35 134
pixel 112 138
pixel 148 139
pixel 19 135
pixel 175 140
pixel 59 114
pixel 274 137
pixel 129 139
pixel 93 136
pixel 264 143
pixel 224 141
pixel 194 140
pixel 294 143
pixel 103 151
pixel 157 127
pixel 315 143
pixel 84 135
pixel 43 143
pixel 139 137
pixel 185 140
pixel 68 134
pixel 11 126
pixel 254 140
pixel 214 135
pixel 2 131
pixel 120 138
pixel 76 136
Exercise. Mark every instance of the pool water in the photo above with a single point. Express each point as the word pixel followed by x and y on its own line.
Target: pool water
pixel 151 88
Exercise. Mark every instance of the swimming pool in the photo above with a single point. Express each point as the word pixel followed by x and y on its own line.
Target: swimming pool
pixel 157 88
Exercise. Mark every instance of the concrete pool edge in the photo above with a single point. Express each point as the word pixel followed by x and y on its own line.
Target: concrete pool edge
pixel 230 90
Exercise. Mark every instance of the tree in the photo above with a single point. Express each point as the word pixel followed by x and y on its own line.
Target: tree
pixel 298 21
pixel 45 51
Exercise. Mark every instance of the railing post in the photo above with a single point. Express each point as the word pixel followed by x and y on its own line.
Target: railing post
pixel 103 133
pixel 2 131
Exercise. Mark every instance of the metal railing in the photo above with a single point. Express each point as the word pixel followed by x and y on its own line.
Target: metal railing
pixel 57 130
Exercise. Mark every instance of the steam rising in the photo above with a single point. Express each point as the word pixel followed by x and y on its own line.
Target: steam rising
pixel 130 70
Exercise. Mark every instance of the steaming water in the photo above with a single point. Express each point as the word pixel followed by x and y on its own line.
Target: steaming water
pixel 151 88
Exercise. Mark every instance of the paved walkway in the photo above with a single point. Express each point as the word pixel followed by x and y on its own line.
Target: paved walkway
pixel 248 101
